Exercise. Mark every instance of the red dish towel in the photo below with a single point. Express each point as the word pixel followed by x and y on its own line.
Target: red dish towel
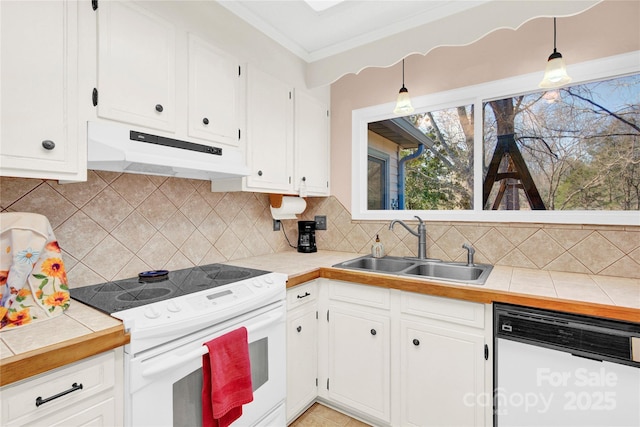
pixel 226 371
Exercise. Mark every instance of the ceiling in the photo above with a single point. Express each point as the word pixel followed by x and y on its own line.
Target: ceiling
pixel 315 30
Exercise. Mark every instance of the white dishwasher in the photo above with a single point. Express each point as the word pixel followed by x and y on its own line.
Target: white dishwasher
pixel 559 369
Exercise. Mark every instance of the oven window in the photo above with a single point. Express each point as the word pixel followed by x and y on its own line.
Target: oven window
pixel 259 355
pixel 187 400
pixel 187 392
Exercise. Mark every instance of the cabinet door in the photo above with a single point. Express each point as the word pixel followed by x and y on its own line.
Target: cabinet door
pixel 269 132
pixel 38 91
pixel 213 93
pixel 442 376
pixel 302 359
pixel 136 66
pixel 359 361
pixel 311 145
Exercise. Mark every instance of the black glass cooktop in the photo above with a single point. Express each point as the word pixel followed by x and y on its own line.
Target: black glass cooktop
pixel 112 297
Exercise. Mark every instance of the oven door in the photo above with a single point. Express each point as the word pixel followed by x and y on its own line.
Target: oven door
pixel 164 384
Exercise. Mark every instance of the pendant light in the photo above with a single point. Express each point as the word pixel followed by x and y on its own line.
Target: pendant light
pixel 403 105
pixel 555 75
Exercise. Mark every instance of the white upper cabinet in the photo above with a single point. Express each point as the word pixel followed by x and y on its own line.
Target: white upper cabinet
pixel 38 91
pixel 214 81
pixel 136 66
pixel 287 140
pixel 311 145
pixel 269 132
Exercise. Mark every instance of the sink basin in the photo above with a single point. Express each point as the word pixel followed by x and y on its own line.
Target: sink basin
pixel 449 271
pixel 389 265
pixel 411 267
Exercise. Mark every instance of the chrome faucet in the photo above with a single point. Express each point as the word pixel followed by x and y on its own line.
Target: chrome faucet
pixel 421 234
pixel 470 252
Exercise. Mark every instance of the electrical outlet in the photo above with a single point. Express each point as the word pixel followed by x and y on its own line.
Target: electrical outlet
pixel 276 225
pixel 321 222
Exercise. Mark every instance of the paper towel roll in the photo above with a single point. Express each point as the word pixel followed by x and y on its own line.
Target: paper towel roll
pixel 290 207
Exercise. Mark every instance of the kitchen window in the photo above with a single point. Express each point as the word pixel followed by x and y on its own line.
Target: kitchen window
pixel 549 170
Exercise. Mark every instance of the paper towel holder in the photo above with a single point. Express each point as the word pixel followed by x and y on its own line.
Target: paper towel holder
pixel 286 207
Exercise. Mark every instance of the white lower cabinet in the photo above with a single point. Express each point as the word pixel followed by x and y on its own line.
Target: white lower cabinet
pixel 442 375
pixel 85 393
pixel 359 349
pixel 302 348
pixel 445 369
pixel 395 358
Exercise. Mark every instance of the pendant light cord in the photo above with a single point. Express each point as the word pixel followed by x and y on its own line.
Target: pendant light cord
pixel 554 34
pixel 402 72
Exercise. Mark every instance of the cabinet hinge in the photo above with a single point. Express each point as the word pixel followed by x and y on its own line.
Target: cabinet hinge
pixel 486 352
pixel 94 97
pixel 94 4
pixel 327 383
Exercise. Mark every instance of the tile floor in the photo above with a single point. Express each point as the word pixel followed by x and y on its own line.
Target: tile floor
pixel 319 415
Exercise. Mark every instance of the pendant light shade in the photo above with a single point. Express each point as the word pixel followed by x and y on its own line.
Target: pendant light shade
pixel 403 105
pixel 555 75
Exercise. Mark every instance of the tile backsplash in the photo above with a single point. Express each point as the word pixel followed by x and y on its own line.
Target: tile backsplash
pixel 116 225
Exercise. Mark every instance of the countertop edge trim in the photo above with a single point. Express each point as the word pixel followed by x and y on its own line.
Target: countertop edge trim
pixel 478 294
pixel 25 365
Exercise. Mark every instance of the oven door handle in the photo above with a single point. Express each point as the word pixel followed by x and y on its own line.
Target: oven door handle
pixel 174 361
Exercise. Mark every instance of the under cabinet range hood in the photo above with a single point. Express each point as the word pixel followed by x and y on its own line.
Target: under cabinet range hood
pixel 117 148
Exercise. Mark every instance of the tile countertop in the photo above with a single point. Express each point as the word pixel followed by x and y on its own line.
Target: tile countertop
pixel 79 333
pixel 82 331
pixel 605 296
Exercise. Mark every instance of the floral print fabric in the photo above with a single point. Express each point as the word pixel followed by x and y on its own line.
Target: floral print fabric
pixel 33 280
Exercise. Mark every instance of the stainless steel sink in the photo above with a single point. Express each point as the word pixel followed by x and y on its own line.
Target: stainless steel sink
pixel 390 265
pixel 475 274
pixel 450 271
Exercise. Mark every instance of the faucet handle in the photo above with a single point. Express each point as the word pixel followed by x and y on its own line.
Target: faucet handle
pixel 470 252
pixel 419 220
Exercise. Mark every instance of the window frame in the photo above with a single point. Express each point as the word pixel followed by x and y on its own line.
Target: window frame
pixel 600 69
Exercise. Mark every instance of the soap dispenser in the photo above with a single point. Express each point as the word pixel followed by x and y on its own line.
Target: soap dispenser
pixel 377 250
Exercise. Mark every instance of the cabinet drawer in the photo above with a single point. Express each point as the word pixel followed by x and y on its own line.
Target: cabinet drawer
pixel 360 294
pixel 302 294
pixel 446 309
pixel 95 375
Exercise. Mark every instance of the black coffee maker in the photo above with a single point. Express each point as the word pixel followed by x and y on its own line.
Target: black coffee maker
pixel 307 236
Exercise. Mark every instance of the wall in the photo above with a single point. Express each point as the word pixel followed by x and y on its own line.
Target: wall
pixel 607 29
pixel 116 225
